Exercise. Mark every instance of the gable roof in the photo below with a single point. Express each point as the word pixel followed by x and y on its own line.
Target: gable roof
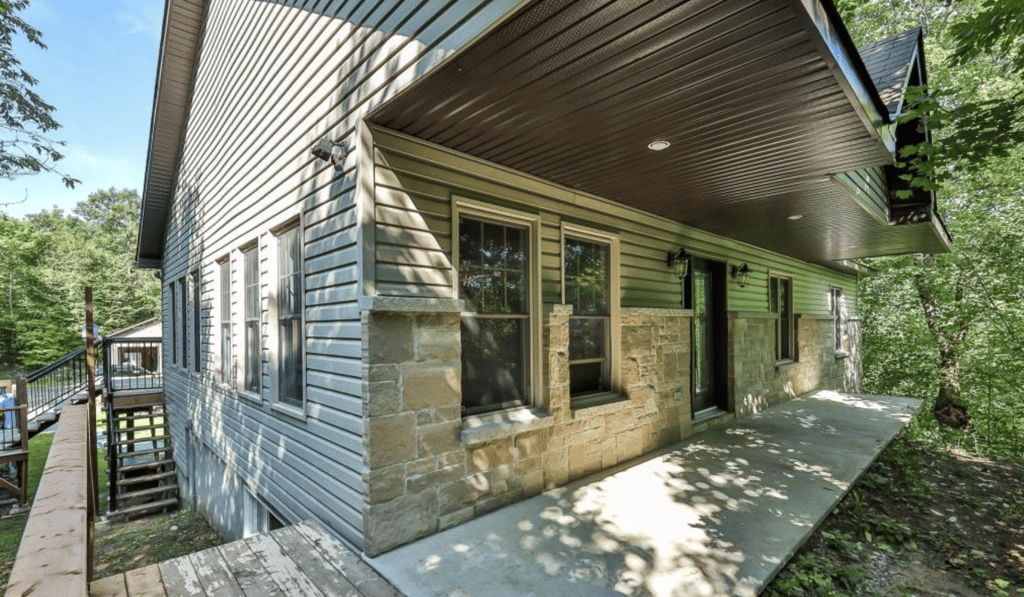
pixel 890 62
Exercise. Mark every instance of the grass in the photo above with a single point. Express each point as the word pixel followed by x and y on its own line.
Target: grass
pixel 127 546
pixel 12 528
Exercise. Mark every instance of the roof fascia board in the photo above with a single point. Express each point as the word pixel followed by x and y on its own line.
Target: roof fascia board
pixel 169 113
pixel 827 31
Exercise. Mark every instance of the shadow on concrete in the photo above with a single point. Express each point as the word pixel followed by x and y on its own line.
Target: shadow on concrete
pixel 718 514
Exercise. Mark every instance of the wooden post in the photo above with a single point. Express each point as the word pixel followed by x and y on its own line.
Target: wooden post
pixel 20 391
pixel 90 366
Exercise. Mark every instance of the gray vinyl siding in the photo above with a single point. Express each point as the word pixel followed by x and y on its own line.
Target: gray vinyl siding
pixel 272 79
pixel 415 182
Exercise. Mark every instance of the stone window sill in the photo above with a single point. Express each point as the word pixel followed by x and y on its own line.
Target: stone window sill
pixel 591 402
pixel 786 364
pixel 841 354
pixel 478 429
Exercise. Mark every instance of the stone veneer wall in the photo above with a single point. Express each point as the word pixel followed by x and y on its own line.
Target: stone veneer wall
pixel 756 382
pixel 427 469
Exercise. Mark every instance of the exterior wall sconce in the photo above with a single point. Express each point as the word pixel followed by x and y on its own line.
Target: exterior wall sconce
pixel 679 262
pixel 741 273
pixel 326 149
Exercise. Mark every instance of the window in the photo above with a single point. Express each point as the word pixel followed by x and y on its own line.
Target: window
pixel 837 306
pixel 780 302
pixel 251 284
pixel 174 323
pixel 179 326
pixel 494 279
pixel 197 314
pixel 224 271
pixel 589 285
pixel 289 317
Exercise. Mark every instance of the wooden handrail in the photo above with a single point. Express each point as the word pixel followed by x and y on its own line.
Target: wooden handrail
pixel 55 555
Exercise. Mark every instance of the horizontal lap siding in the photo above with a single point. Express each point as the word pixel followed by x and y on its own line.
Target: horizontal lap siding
pixel 272 79
pixel 415 182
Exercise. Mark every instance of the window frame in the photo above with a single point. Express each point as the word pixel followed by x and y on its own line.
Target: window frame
pixel 614 319
pixel 785 318
pixel 274 325
pixel 480 210
pixel 246 360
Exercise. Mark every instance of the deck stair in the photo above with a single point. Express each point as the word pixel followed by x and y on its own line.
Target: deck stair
pixel 141 472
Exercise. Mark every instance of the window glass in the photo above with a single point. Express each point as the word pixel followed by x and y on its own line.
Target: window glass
pixel 587 290
pixel 197 314
pixel 289 317
pixel 226 374
pixel 780 302
pixel 494 280
pixel 181 329
pixel 174 323
pixel 251 305
pixel 837 308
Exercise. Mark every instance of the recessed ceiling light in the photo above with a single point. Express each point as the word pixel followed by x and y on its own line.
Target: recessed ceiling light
pixel 796 216
pixel 658 145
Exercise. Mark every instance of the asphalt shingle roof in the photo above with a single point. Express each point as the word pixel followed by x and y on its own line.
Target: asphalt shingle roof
pixel 888 61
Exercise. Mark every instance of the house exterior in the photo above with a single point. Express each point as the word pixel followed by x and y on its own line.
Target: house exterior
pixel 425 259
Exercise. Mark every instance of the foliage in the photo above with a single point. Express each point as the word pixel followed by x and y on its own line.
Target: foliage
pixel 956 321
pixel 973 103
pixel 51 258
pixel 920 521
pixel 25 118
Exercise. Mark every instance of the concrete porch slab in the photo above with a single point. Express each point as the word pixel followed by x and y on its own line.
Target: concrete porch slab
pixel 717 514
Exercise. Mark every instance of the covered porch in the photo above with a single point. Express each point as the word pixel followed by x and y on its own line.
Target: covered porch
pixel 718 514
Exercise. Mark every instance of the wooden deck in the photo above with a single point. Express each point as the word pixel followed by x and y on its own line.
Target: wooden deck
pixel 297 560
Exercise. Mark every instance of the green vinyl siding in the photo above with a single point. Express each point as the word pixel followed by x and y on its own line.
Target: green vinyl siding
pixel 414 185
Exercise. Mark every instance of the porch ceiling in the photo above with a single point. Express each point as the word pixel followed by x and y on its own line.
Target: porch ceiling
pixel 760 99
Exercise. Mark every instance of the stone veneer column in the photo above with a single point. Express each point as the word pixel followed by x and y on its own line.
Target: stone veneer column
pixel 412 412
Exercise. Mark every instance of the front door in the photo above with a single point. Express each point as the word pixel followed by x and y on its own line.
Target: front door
pixel 708 304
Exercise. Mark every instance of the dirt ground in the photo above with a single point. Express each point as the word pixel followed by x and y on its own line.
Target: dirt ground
pixel 921 522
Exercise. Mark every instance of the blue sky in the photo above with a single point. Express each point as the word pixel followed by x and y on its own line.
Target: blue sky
pixel 98 70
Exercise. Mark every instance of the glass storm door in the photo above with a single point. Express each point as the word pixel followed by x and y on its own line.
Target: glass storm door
pixel 703 340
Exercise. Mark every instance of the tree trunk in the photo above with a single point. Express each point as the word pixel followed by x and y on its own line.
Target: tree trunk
pixel 949 409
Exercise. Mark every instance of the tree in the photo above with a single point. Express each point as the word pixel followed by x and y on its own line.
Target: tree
pixel 25 118
pixel 949 326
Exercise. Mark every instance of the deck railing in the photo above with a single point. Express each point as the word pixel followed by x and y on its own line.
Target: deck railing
pixel 56 550
pixel 52 385
pixel 131 364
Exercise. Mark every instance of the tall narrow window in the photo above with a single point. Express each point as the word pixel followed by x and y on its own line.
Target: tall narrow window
pixel 587 289
pixel 224 268
pixel 174 323
pixel 251 281
pixel 837 306
pixel 197 322
pixel 780 302
pixel 289 317
pixel 494 279
pixel 180 327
